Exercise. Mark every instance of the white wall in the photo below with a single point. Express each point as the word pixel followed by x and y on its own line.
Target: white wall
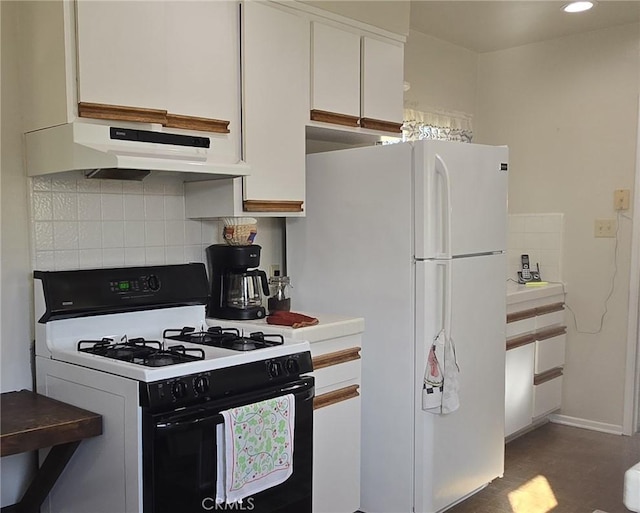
pixel 15 314
pixel 442 75
pixel 567 108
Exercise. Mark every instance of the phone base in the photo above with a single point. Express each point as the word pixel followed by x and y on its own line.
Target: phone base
pixel 535 276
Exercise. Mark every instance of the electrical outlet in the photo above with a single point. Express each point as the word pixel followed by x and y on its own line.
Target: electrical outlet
pixel 605 228
pixel 621 199
pixel 273 268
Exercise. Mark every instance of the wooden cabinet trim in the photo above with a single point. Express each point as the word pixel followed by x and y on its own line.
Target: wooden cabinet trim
pixel 545 376
pixel 334 118
pixel 520 341
pixel 336 358
pixel 546 309
pixel 121 113
pixel 335 396
pixel 158 116
pixel 272 206
pixel 521 315
pixel 377 124
pixel 533 312
pixel 550 332
pixel 195 123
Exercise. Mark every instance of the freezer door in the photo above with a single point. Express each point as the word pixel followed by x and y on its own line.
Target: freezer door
pixel 459 452
pixel 460 198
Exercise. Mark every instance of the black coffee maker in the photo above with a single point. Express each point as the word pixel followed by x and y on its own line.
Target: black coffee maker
pixel 236 286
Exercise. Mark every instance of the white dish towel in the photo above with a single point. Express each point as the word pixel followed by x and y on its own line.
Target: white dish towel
pixel 441 385
pixel 255 448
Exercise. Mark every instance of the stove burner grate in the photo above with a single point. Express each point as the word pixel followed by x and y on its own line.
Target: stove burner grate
pixel 149 353
pixel 226 338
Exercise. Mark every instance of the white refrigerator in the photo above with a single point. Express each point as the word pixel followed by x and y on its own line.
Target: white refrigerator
pixel 412 238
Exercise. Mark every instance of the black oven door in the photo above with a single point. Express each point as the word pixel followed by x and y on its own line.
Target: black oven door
pixel 180 456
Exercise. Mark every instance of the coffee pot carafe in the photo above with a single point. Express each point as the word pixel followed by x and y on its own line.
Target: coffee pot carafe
pixel 237 287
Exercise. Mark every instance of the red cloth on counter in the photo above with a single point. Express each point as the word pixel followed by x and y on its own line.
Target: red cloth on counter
pixel 295 320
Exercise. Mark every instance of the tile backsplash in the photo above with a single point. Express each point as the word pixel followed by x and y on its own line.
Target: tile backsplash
pixel 539 236
pixel 84 223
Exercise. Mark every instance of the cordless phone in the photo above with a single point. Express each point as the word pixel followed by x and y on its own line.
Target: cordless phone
pixel 526 271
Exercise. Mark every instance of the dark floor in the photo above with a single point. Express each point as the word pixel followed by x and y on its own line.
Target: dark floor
pixel 559 469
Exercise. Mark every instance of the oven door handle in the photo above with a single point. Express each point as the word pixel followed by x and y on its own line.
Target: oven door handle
pixel 186 424
pixel 168 424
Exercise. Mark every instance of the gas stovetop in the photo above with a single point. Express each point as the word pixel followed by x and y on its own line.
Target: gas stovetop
pixel 227 338
pixel 150 353
pixel 115 321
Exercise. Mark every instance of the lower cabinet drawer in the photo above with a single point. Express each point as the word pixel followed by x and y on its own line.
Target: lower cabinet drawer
pixel 549 353
pixel 547 396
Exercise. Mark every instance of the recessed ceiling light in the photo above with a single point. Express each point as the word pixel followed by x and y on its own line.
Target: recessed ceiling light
pixel 577 6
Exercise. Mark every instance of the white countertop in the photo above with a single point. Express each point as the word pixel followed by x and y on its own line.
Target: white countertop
pixel 330 326
pixel 517 293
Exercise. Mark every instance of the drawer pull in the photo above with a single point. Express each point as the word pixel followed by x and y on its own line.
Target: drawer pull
pixel 195 123
pixel 512 343
pixel 334 117
pixel 336 396
pixel 378 124
pixel 550 332
pixel 121 113
pixel 272 206
pixel 545 376
pixel 521 315
pixel 533 312
pixel 336 358
pixel 546 309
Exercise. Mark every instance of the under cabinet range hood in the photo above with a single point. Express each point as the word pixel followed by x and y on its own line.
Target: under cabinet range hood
pixel 103 151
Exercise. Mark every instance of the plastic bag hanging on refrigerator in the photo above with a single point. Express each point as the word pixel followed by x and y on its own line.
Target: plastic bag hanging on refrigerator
pixel 440 386
pixel 433 378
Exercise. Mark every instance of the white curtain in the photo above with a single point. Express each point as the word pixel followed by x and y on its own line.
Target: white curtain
pixel 442 126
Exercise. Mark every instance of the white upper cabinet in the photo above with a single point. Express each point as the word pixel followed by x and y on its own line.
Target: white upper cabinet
pixel 203 59
pixel 382 82
pixel 275 73
pixel 357 80
pixel 180 58
pixel 335 69
pixel 122 53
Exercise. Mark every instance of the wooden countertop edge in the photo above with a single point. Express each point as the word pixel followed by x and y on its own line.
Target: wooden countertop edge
pixel 32 421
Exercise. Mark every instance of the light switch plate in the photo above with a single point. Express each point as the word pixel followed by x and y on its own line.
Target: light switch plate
pixel 621 199
pixel 605 228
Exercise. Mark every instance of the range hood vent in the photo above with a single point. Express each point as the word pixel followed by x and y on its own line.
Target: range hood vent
pixel 102 151
pixel 118 174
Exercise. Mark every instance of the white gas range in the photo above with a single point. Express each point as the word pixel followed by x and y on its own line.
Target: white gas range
pixel 132 344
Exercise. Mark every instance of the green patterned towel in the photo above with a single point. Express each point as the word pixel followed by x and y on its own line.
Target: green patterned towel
pixel 256 441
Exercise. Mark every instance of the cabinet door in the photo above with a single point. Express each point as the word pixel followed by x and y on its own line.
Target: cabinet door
pixel 203 58
pixel 121 53
pixel 203 64
pixel 382 80
pixel 336 457
pixel 275 72
pixel 518 388
pixel 335 67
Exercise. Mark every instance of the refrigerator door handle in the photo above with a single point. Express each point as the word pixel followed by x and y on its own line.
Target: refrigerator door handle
pixel 445 197
pixel 446 296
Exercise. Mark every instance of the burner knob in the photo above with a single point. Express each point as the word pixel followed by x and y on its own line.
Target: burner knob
pixel 292 366
pixel 275 369
pixel 179 389
pixel 153 282
pixel 201 384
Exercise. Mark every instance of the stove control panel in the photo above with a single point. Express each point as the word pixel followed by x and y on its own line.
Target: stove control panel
pixel 213 384
pixel 69 294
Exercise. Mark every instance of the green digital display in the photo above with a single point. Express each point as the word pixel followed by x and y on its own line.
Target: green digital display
pixel 124 285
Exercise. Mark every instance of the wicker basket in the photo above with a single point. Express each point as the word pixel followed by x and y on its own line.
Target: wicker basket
pixel 239 231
